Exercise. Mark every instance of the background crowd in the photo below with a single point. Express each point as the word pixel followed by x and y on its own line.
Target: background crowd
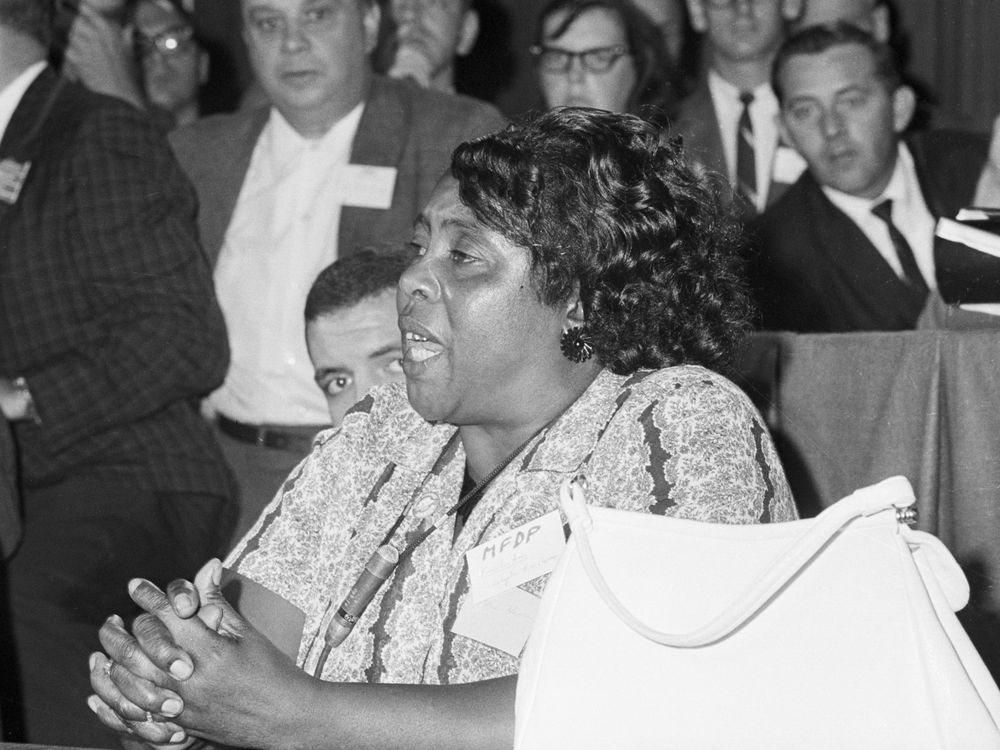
pixel 198 264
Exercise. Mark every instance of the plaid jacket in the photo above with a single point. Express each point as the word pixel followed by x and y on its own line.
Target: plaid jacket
pixel 106 299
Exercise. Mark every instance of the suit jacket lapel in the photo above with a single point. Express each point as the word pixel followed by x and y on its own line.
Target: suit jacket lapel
pixel 847 248
pixel 20 143
pixel 380 140
pixel 224 185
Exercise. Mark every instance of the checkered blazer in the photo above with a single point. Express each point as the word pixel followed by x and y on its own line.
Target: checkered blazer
pixel 106 299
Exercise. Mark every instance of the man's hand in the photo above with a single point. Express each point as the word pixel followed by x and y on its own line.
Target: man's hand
pixel 100 56
pixel 15 401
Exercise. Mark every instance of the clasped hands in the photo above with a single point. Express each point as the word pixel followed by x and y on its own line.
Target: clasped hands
pixel 191 666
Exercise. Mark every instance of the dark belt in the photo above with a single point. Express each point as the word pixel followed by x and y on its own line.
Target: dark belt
pixel 298 439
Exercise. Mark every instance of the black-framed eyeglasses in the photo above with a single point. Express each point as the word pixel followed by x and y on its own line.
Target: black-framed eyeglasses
pixel 593 60
pixel 168 43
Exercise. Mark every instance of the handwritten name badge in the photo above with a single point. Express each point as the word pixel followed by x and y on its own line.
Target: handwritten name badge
pixel 366 186
pixel 518 556
pixel 503 622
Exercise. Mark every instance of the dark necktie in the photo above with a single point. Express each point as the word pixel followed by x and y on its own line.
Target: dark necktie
pixel 911 271
pixel 746 162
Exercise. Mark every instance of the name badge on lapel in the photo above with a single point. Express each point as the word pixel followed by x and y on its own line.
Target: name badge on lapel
pixel 12 177
pixel 366 186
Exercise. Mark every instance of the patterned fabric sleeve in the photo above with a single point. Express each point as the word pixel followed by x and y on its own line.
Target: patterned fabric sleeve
pixel 706 454
pixel 281 551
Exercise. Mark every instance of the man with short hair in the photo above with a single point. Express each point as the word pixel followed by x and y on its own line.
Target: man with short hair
pixel 352 332
pixel 340 159
pixel 870 15
pixel 110 334
pixel 172 63
pixel 728 121
pixel 851 245
pixel 431 35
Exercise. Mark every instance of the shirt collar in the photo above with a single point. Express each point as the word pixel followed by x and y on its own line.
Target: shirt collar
pixel 721 87
pixel 286 142
pixel 903 174
pixel 11 96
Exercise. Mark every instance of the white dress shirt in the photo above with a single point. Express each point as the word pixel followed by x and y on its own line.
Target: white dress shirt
pixel 909 213
pixel 11 96
pixel 282 234
pixel 763 116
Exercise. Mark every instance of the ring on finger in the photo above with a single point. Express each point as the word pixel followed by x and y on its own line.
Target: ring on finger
pixel 149 718
pixel 107 667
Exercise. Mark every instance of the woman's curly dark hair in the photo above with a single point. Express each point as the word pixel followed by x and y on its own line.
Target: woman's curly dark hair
pixel 600 201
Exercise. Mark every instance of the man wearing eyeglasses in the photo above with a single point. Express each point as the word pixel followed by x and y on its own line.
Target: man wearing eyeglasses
pixel 728 122
pixel 173 65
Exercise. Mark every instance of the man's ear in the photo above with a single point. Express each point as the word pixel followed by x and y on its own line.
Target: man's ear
pixel 468 34
pixel 904 104
pixel 697 15
pixel 371 20
pixel 791 9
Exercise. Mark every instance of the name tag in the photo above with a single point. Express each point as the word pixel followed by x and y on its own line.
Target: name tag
pixel 365 186
pixel 524 553
pixel 503 622
pixel 788 165
pixel 12 177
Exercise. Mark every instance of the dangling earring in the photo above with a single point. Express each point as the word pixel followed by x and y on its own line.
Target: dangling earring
pixel 574 345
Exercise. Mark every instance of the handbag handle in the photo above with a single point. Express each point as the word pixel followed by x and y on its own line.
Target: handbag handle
pixel 895 492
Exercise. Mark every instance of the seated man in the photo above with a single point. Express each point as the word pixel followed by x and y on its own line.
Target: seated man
pixel 173 66
pixel 850 246
pixel 351 325
pixel 432 34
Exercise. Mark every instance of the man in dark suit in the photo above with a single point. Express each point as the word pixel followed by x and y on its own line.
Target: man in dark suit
pixel 728 121
pixel 340 159
pixel 109 334
pixel 851 245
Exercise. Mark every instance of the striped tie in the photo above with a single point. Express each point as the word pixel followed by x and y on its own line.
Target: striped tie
pixel 746 163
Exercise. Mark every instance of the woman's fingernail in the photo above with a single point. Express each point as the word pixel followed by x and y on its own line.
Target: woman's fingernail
pixel 93 702
pixel 217 572
pixel 177 737
pixel 171 707
pixel 180 669
pixel 183 600
pixel 92 661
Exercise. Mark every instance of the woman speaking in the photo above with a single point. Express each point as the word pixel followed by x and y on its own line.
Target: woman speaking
pixel 574 297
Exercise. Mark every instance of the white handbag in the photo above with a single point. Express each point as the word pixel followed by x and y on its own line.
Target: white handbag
pixel 836 632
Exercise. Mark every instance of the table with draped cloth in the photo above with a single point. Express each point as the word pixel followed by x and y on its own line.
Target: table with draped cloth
pixel 850 409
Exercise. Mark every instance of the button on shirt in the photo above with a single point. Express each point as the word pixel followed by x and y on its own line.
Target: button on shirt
pixel 909 213
pixel 763 111
pixel 282 234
